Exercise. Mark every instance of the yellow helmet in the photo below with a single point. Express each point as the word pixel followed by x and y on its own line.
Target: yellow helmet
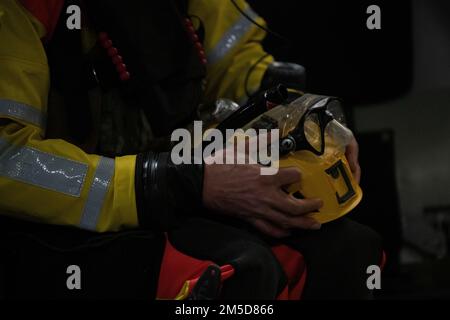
pixel 312 140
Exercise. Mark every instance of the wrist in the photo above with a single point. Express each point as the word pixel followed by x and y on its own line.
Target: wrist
pixel 165 191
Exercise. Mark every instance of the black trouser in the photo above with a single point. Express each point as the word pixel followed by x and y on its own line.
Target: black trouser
pixel 337 257
pixel 34 258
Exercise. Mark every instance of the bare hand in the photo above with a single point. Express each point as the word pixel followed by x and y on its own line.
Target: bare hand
pixel 240 190
pixel 352 157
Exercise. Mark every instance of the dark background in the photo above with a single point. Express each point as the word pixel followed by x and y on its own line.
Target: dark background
pixel 395 84
pixel 341 55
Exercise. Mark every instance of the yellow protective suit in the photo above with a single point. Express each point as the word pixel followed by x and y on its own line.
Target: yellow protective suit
pixel 55 182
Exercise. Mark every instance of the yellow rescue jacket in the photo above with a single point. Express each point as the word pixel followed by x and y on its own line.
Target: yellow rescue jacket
pixel 55 182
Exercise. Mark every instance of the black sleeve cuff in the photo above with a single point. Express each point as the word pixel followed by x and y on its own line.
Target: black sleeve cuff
pixel 166 192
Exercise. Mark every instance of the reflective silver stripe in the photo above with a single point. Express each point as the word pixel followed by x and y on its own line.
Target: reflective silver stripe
pixel 22 111
pixel 231 37
pixel 41 169
pixel 94 202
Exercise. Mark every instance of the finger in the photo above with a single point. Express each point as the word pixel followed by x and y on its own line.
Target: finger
pixel 305 206
pixel 284 221
pixel 289 205
pixel 352 151
pixel 286 176
pixel 354 165
pixel 352 161
pixel 351 154
pixel 355 169
pixel 269 229
pixel 276 217
pixel 305 223
pixel 357 173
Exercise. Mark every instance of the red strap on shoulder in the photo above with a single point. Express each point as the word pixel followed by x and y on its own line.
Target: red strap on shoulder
pixel 46 11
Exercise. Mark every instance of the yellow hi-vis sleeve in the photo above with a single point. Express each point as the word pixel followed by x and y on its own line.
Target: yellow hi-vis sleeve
pixel 50 180
pixel 236 59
